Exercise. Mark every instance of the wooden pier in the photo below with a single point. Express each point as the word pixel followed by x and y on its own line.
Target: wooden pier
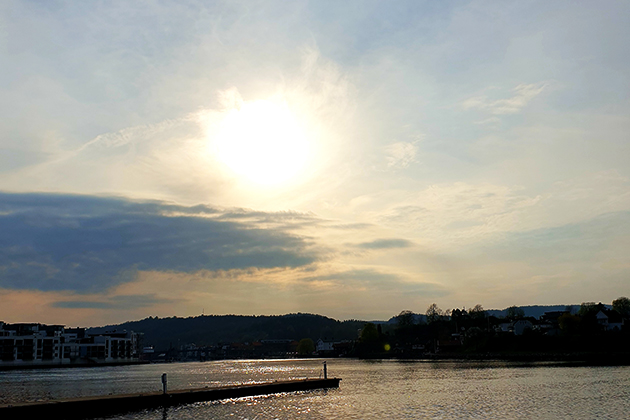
pixel 107 405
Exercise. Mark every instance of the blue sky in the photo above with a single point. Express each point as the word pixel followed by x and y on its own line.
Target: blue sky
pixel 353 159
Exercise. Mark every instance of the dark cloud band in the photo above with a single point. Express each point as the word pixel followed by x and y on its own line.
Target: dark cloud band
pixel 385 244
pixel 87 244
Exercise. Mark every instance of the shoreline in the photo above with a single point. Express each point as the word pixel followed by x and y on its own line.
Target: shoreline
pixel 573 359
pixel 31 366
pixel 561 359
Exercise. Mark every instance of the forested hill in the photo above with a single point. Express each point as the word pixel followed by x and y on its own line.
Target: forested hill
pixel 536 310
pixel 164 333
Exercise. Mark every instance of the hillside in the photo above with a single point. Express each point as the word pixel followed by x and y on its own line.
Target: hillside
pixel 164 333
pixel 537 310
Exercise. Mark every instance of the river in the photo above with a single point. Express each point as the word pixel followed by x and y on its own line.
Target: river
pixel 369 389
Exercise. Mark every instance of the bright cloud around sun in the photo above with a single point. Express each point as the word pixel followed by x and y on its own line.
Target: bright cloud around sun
pixel 262 142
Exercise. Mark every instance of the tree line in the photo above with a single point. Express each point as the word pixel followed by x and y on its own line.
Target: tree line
pixel 576 329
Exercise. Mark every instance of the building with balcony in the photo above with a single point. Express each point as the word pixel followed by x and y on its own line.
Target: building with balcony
pixel 33 345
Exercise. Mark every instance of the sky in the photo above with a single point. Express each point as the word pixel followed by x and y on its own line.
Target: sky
pixel 352 159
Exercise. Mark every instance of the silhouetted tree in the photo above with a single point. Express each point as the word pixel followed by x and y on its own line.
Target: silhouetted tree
pixel 370 344
pixel 405 319
pixel 568 323
pixel 305 347
pixel 474 339
pixel 622 305
pixel 477 312
pixel 369 333
pixel 586 308
pixel 405 329
pixel 457 313
pixel 514 312
pixel 434 313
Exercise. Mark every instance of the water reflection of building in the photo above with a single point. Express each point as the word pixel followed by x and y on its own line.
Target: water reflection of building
pixel 29 345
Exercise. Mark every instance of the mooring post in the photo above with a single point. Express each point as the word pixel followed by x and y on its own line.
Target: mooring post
pixel 164 383
pixel 325 371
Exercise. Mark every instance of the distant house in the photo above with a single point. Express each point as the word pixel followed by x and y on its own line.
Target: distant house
pixel 521 326
pixel 333 348
pixel 324 346
pixel 504 327
pixel 609 319
pixel 449 344
pixel 343 347
pixel 549 322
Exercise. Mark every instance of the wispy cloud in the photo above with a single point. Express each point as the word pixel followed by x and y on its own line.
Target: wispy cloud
pixel 522 95
pixel 456 212
pixel 373 280
pixel 401 154
pixel 115 302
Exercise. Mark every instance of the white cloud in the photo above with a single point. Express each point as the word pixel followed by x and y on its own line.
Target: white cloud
pixel 522 95
pixel 451 214
pixel 489 121
pixel 400 154
pixel 457 212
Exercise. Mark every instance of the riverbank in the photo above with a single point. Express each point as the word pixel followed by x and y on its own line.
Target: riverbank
pixel 578 358
pixel 575 359
pixel 29 366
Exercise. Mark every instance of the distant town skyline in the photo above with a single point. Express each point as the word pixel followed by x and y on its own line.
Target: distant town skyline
pixel 350 159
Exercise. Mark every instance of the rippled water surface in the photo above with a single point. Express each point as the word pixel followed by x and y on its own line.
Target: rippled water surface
pixel 369 389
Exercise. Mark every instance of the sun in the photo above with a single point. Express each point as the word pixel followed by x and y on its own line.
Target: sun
pixel 263 143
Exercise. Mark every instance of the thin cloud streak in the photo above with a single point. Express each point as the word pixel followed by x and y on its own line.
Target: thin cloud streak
pixel 523 94
pixel 385 244
pixel 118 302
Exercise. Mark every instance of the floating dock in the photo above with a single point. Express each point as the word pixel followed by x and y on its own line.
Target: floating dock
pixel 107 405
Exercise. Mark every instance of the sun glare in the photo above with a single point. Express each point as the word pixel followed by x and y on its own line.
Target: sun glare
pixel 262 142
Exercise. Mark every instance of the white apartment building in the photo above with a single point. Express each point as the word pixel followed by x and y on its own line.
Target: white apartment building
pixel 39 344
